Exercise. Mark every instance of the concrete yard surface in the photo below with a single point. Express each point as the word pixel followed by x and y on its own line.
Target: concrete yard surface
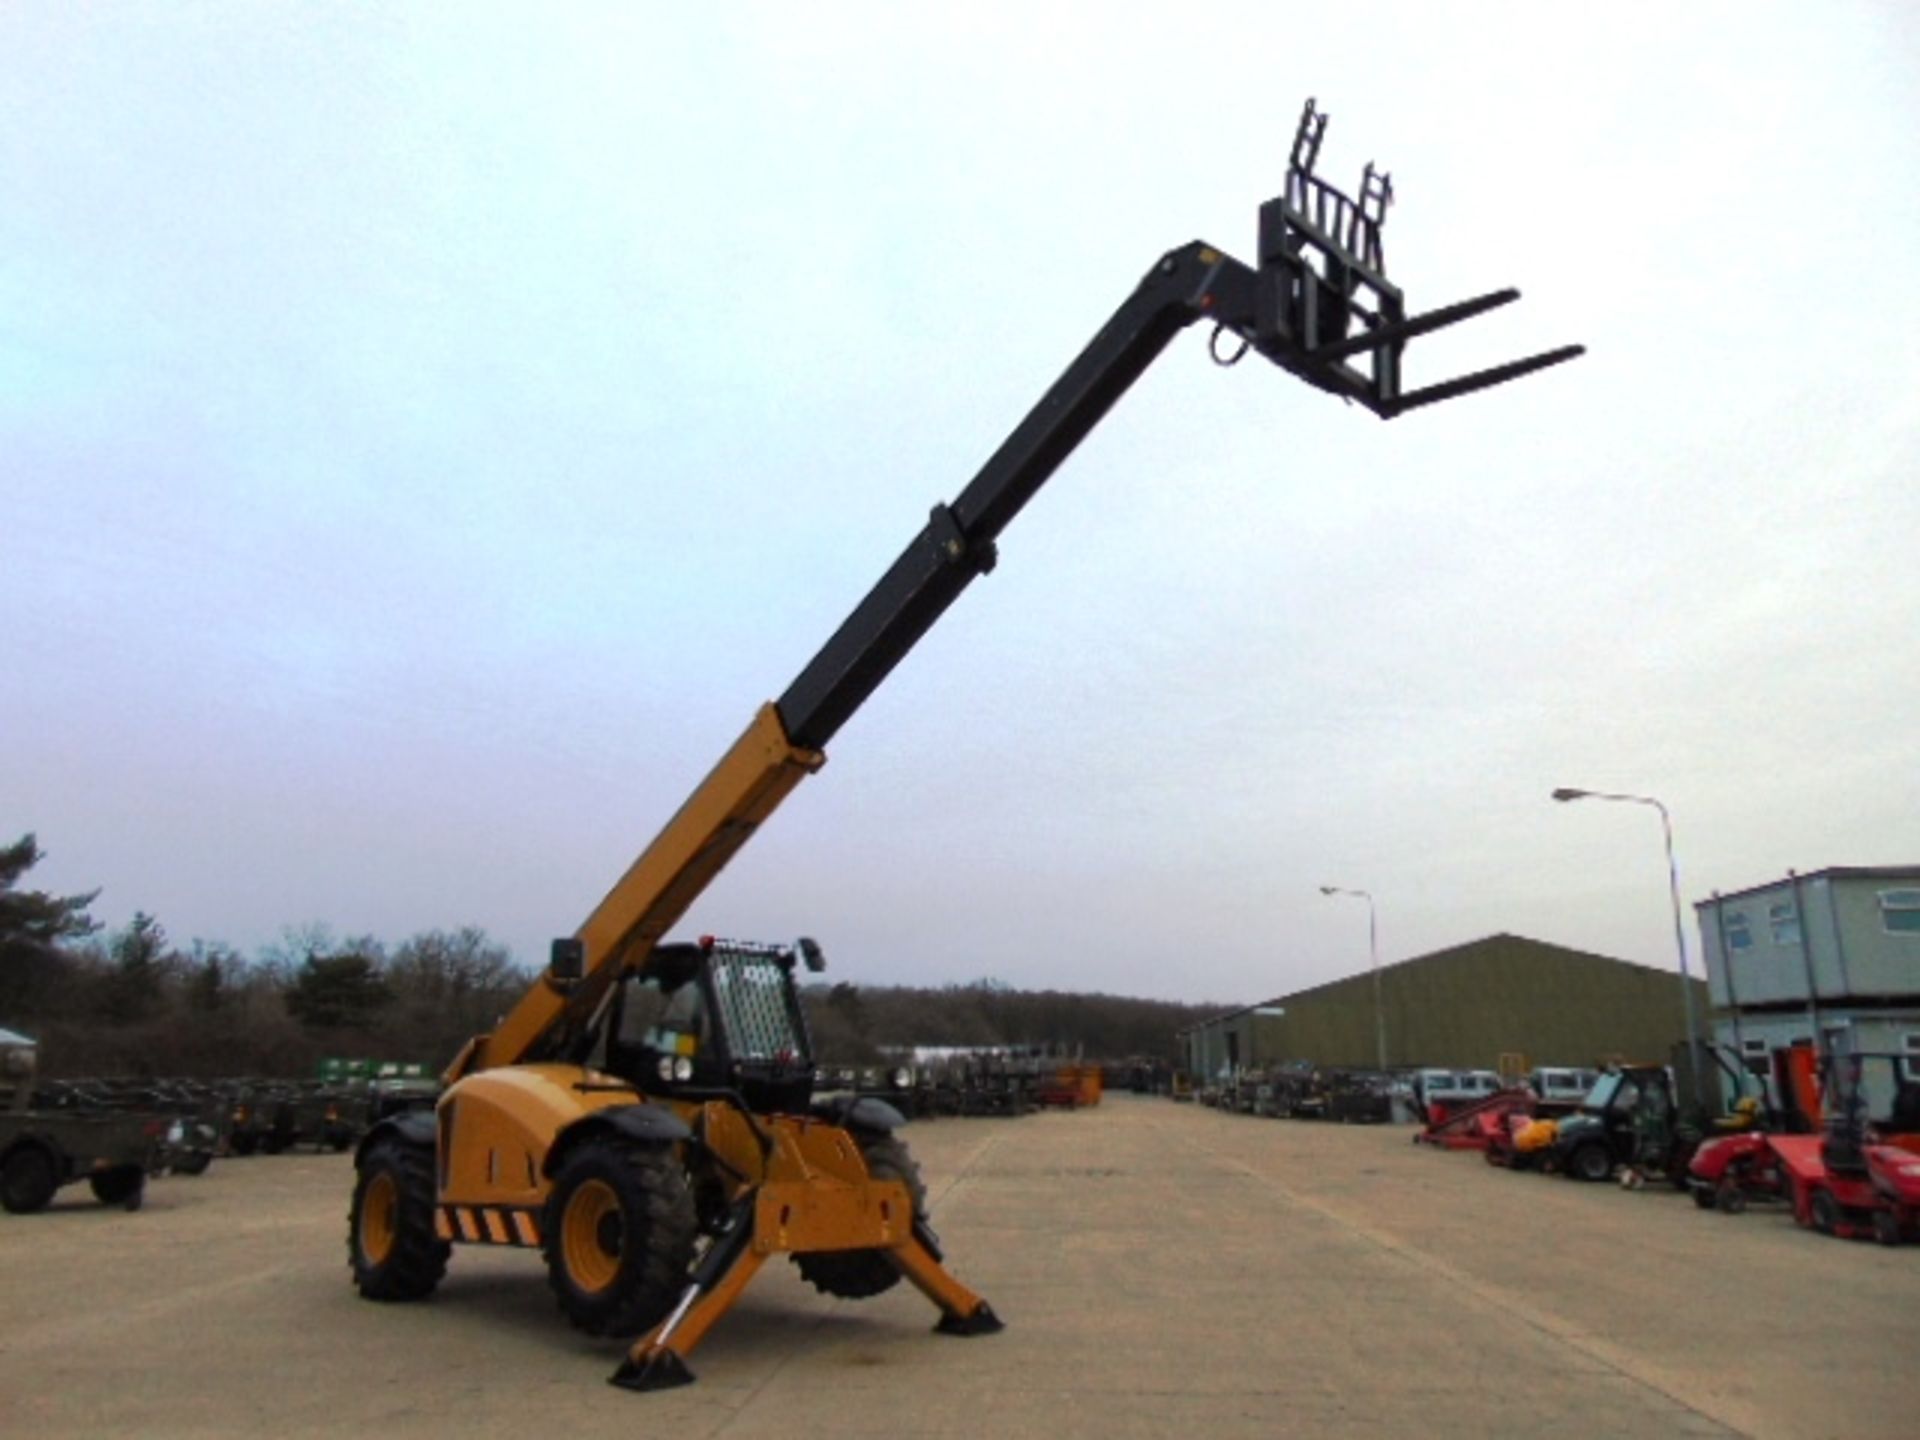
pixel 1163 1271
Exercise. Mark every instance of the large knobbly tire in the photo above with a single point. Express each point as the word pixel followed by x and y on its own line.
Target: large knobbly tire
pixel 618 1234
pixel 391 1243
pixel 858 1274
pixel 27 1180
pixel 125 1186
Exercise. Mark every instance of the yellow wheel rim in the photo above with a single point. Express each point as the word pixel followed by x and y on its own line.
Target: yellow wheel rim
pixel 591 1235
pixel 379 1218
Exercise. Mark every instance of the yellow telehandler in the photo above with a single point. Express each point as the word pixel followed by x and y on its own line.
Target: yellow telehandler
pixel 645 1116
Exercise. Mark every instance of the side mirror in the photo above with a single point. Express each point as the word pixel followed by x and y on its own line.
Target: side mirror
pixel 568 961
pixel 809 949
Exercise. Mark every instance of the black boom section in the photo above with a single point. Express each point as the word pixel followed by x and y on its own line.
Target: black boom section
pixel 1319 306
pixel 1191 283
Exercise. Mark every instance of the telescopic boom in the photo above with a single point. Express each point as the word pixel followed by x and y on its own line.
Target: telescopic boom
pixel 1318 305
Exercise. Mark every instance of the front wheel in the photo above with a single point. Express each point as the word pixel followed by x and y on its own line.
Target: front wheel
pixel 391 1243
pixel 1824 1211
pixel 618 1234
pixel 859 1274
pixel 1886 1227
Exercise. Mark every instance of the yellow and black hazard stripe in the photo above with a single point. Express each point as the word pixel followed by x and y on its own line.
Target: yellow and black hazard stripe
pixel 488 1225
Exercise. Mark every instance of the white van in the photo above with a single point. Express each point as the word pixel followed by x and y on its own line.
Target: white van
pixel 1454 1087
pixel 1561 1082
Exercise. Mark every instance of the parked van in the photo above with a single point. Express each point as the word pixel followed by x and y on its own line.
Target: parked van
pixel 1561 1082
pixel 1452 1089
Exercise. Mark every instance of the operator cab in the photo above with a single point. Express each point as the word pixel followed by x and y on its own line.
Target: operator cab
pixel 714 1018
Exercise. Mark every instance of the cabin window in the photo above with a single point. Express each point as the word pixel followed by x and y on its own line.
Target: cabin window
pixel 1733 926
pixel 1784 921
pixel 1900 911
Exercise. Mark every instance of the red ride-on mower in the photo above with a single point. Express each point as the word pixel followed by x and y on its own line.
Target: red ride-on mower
pixel 1862 1177
pixel 1737 1164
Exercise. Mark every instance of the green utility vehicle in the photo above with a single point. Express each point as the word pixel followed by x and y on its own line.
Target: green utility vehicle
pixel 1630 1118
pixel 44 1149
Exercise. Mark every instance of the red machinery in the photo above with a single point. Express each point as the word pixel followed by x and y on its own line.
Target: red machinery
pixel 1728 1170
pixel 1882 1199
pixel 1474 1127
pixel 1862 1176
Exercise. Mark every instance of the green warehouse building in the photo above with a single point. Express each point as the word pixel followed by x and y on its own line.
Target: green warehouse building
pixel 1506 997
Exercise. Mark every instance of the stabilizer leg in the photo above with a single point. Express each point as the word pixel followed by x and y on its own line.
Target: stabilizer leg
pixel 658 1360
pixel 961 1311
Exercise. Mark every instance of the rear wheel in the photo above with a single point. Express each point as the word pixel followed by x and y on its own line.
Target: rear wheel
pixel 1590 1162
pixel 859 1274
pixel 1705 1196
pixel 27 1180
pixel 1729 1196
pixel 124 1185
pixel 194 1162
pixel 618 1234
pixel 391 1244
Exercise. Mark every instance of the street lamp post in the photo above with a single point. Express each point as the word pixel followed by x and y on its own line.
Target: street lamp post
pixel 1373 952
pixel 1566 793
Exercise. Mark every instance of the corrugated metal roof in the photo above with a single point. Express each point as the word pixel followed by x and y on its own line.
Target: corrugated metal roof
pixel 1431 955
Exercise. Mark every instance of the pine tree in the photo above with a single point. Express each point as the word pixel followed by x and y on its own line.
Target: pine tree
pixel 32 926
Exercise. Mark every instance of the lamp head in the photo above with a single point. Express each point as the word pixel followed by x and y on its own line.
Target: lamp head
pixel 1568 793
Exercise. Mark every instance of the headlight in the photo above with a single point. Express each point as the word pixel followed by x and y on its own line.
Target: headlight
pixel 665 1067
pixel 682 1068
pixel 902 1078
pixel 174 1133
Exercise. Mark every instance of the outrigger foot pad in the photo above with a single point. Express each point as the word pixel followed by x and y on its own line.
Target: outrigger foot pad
pixel 981 1322
pixel 661 1370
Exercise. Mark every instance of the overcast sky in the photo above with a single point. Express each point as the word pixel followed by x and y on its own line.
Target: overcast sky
pixel 428 433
